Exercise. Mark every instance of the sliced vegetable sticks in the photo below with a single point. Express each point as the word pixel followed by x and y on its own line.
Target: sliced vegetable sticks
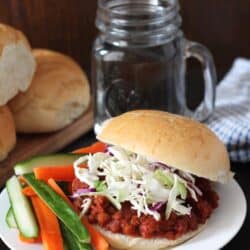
pixel 49 226
pixel 62 210
pixel 22 210
pixel 28 191
pixel 97 240
pixel 52 183
pixel 59 173
pixel 30 240
pixel 71 241
pixel 94 148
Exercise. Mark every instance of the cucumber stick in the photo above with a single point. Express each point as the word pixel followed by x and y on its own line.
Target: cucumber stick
pixel 60 207
pixel 22 210
pixel 10 219
pixel 27 166
pixel 71 241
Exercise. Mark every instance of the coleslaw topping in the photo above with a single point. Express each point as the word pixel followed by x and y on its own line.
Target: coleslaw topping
pixel 124 176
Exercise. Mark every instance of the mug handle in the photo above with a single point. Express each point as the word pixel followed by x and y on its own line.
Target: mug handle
pixel 202 54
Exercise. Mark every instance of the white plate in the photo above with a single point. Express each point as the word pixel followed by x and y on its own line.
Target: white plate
pixel 223 225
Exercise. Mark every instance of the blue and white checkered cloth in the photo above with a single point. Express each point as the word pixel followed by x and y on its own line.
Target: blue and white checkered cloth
pixel 231 118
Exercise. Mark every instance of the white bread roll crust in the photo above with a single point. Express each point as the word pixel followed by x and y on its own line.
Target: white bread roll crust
pixel 175 140
pixel 17 64
pixel 7 132
pixel 121 241
pixel 59 93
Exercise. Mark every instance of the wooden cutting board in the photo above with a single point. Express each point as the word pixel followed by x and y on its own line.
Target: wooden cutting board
pixel 30 145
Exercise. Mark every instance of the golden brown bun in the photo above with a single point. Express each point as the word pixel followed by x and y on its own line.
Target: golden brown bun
pixel 59 93
pixel 172 139
pixel 17 64
pixel 121 241
pixel 7 132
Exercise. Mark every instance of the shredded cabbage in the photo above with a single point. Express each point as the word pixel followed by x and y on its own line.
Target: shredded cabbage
pixel 85 206
pixel 121 175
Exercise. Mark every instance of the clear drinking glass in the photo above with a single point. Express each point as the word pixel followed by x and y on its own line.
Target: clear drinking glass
pixel 139 60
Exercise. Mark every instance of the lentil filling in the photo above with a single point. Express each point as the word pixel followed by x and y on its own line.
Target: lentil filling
pixel 126 221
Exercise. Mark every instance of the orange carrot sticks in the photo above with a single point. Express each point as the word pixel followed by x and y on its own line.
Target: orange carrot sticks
pixel 64 173
pixel 94 148
pixel 22 180
pixel 30 240
pixel 49 226
pixel 57 189
pixel 28 191
pixel 97 240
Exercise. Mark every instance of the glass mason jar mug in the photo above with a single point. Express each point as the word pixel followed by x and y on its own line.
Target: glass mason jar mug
pixel 139 60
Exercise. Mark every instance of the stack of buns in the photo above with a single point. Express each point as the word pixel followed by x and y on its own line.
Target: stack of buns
pixel 40 90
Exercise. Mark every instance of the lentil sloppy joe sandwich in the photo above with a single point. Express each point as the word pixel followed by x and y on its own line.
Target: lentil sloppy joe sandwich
pixel 151 188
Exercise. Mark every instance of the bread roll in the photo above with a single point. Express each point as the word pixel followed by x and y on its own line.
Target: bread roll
pixel 17 64
pixel 7 132
pixel 177 141
pixel 59 93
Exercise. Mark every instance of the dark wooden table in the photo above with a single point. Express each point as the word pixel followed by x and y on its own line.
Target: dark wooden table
pixel 242 239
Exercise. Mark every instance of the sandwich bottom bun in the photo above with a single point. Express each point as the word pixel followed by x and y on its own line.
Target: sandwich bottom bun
pixel 120 241
pixel 59 93
pixel 7 132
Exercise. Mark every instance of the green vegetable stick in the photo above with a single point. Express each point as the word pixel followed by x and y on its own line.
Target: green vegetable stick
pixel 71 241
pixel 10 219
pixel 61 209
pixel 27 166
pixel 22 209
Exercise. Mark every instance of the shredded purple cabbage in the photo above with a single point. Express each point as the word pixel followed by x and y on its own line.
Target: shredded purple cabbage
pixel 157 206
pixel 82 191
pixel 184 176
pixel 108 152
pixel 159 165
pixel 197 190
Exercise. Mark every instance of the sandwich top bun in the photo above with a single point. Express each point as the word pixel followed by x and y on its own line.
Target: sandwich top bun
pixel 17 64
pixel 59 93
pixel 7 132
pixel 177 141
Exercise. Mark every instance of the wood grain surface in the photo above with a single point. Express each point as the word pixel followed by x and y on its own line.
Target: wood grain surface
pixel 68 26
pixel 62 25
pixel 31 145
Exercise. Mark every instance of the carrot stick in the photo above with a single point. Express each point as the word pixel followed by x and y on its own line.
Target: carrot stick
pixel 30 240
pixel 49 226
pixel 94 148
pixel 97 240
pixel 64 173
pixel 22 180
pixel 57 189
pixel 28 191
